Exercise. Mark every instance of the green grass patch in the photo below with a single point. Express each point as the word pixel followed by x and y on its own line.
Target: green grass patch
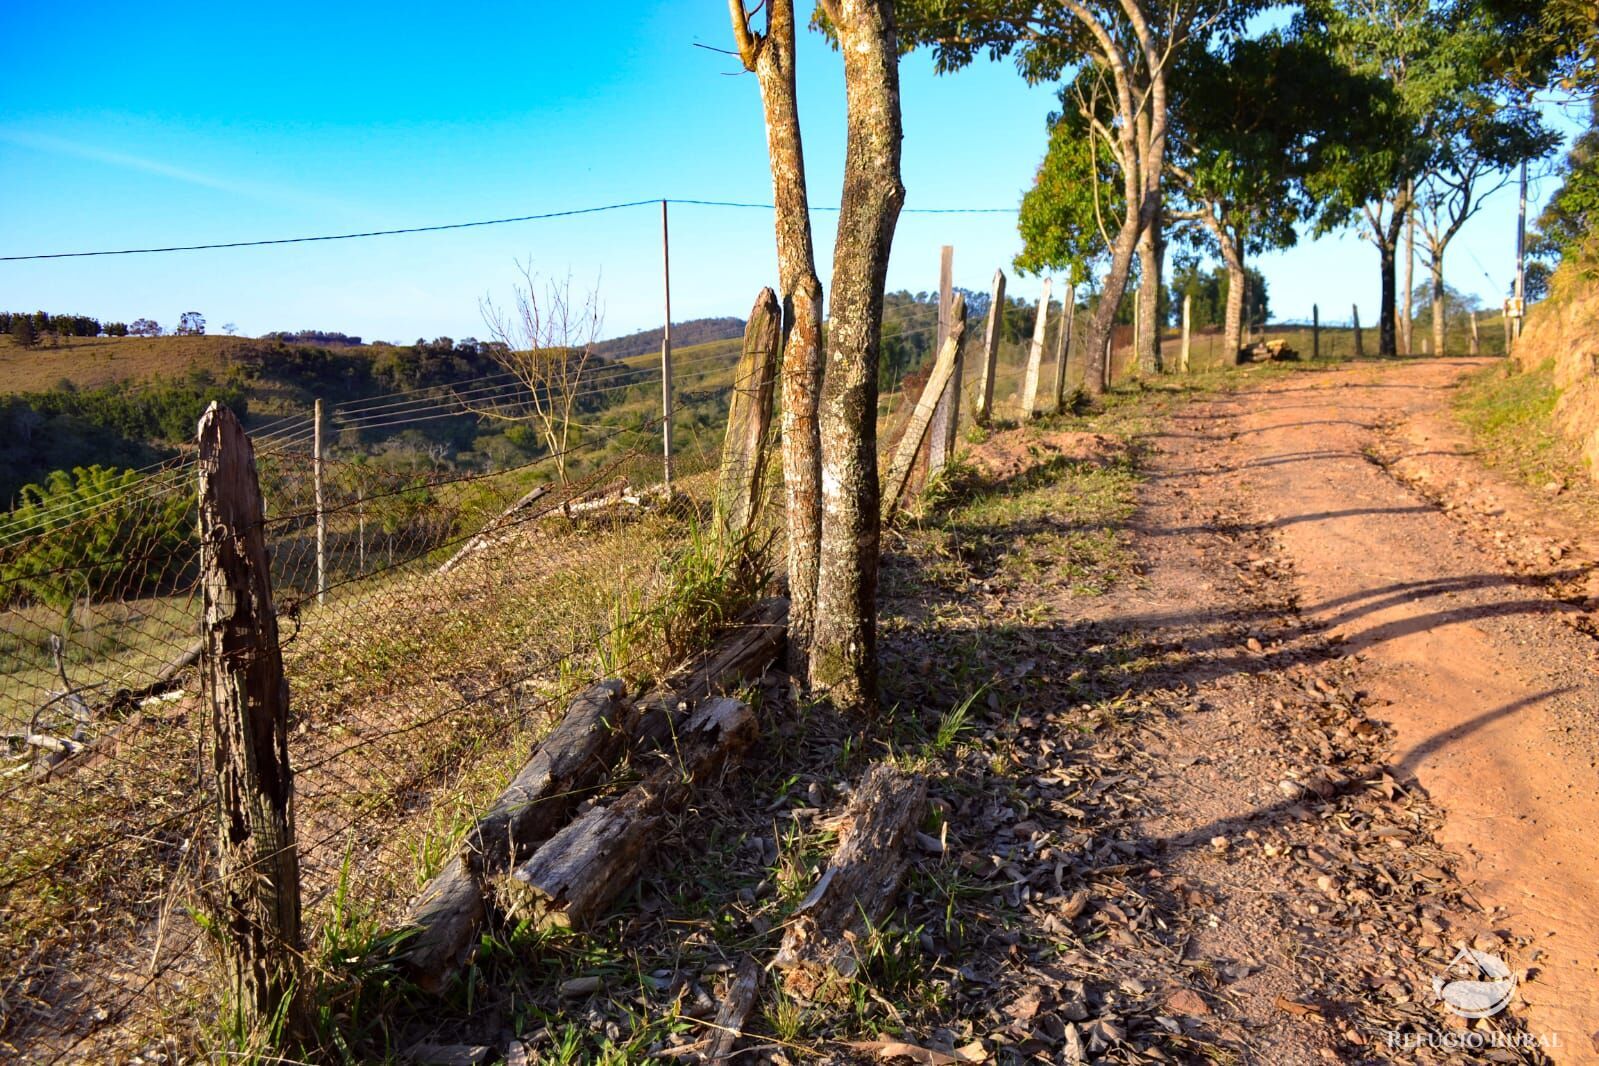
pixel 1510 413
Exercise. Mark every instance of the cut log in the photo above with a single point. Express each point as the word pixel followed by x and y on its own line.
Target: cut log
pixel 729 1024
pixel 754 642
pixel 569 882
pixel 818 954
pixel 573 759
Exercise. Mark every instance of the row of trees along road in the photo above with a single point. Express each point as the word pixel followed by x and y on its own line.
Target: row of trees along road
pixel 1186 123
pixel 1178 121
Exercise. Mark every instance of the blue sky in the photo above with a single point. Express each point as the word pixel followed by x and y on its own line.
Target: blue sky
pixel 199 123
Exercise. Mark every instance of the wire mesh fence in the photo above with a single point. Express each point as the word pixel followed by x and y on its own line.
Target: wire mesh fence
pixel 431 620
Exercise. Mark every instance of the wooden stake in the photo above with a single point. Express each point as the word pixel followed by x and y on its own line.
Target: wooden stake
pixel 1360 345
pixel 321 515
pixel 946 419
pixel 1065 347
pixel 991 337
pixel 1315 331
pixel 1476 344
pixel 258 880
pixel 1062 329
pixel 666 355
pixel 1035 355
pixel 1187 320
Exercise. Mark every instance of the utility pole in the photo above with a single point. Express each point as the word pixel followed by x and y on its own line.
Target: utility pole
pixel 1521 253
pixel 666 354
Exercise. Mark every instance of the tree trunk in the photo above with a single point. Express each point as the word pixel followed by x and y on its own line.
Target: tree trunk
pixel 1387 341
pixel 1237 288
pixel 844 645
pixel 1407 324
pixel 1438 307
pixel 1149 268
pixel 1096 348
pixel 772 59
pixel 258 884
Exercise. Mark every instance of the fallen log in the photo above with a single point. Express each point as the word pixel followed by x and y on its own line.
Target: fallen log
pixel 572 878
pixel 495 524
pixel 753 643
pixel 818 954
pixel 573 759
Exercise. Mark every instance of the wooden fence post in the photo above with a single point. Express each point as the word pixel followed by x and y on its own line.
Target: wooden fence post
pixel 1360 346
pixel 1138 330
pixel 259 877
pixel 1063 345
pixel 1315 331
pixel 1061 327
pixel 991 337
pixel 1035 355
pixel 321 515
pixel 946 420
pixel 749 419
pixel 899 471
pixel 1476 344
pixel 1187 326
pixel 666 356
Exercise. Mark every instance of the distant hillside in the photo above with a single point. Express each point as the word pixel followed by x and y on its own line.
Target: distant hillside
pixel 684 335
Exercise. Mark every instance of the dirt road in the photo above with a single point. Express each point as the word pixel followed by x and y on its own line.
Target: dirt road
pixel 1492 694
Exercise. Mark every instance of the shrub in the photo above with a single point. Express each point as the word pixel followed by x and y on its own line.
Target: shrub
pixel 98 533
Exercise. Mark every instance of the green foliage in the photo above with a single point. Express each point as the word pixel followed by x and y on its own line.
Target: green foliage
pixel 1077 198
pixel 1207 292
pixel 1569 225
pixel 94 533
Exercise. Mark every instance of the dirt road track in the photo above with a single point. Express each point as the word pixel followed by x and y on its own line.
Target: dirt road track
pixel 1493 697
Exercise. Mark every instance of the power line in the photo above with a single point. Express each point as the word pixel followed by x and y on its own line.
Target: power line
pixel 473 225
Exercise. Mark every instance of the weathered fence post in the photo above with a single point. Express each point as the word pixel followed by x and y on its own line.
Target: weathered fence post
pixel 666 356
pixel 1360 345
pixel 321 515
pixel 1315 331
pixel 1187 319
pixel 749 419
pixel 946 420
pixel 1059 391
pixel 1035 355
pixel 1064 345
pixel 996 323
pixel 899 471
pixel 258 892
pixel 1476 343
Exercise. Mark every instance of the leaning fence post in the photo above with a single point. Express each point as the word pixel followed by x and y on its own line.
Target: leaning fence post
pixel 1061 327
pixel 1315 331
pixel 321 515
pixel 1360 344
pixel 259 878
pixel 1035 355
pixel 899 471
pixel 749 419
pixel 996 321
pixel 946 420
pixel 1065 345
pixel 1476 345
